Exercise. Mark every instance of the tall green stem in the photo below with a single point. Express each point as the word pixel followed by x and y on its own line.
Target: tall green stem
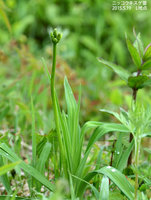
pixel 137 151
pixel 55 39
pixel 53 73
pixel 54 103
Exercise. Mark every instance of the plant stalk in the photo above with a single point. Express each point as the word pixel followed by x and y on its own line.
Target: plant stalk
pixel 54 103
pixel 55 109
pixel 137 151
pixel 134 95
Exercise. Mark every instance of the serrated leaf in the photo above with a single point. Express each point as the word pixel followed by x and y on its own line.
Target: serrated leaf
pixel 121 72
pixel 147 53
pixel 137 81
pixel 134 53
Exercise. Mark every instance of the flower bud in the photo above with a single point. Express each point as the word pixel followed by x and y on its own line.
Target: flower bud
pixel 55 32
pixel 55 36
pixel 59 36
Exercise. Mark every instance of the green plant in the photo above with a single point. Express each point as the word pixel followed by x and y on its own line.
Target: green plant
pixel 74 160
pixel 3 14
pixel 138 117
pixel 140 76
pixel 71 138
pixel 137 120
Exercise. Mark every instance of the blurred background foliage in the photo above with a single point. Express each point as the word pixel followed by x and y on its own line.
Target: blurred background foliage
pixel 90 29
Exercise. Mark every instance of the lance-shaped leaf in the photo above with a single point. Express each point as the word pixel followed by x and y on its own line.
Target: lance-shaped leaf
pixel 147 83
pixel 10 155
pixel 134 53
pixel 147 53
pixel 104 191
pixel 137 81
pixel 139 45
pixel 4 169
pixel 121 72
pixel 146 65
pixel 115 176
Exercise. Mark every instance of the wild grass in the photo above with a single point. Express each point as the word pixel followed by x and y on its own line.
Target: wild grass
pixel 65 146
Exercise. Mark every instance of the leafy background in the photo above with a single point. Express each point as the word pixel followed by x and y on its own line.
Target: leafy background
pixel 90 30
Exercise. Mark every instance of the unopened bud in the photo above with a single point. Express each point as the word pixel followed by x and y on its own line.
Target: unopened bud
pixel 55 36
pixel 55 32
pixel 59 36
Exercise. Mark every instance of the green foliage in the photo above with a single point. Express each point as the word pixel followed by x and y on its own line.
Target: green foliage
pixel 73 151
pixel 123 74
pixel 7 152
pixel 141 60
pixel 104 191
pixel 147 53
pixel 137 81
pixel 134 54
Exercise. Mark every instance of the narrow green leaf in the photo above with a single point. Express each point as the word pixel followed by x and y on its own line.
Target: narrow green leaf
pixel 46 70
pixel 146 65
pixel 71 187
pixel 147 53
pixel 4 169
pixel 97 134
pixel 134 54
pixel 119 179
pixel 10 155
pixel 104 191
pixel 116 176
pixel 72 133
pixel 124 158
pixel 5 18
pixel 33 135
pixel 120 71
pixel 95 191
pixel 40 166
pixel 4 178
pixel 138 44
pixel 118 151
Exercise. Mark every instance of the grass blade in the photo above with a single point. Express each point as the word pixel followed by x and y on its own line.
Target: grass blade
pixel 124 158
pixel 10 155
pixel 119 179
pixel 33 135
pixel 4 178
pixel 116 176
pixel 104 191
pixel 4 169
